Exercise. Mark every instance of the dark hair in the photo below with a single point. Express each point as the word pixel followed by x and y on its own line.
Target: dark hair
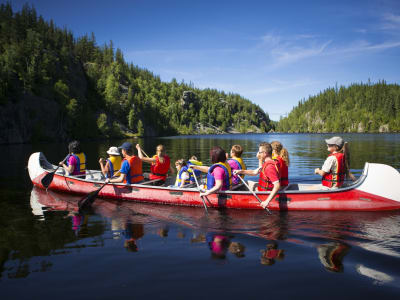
pixel 217 155
pixel 74 147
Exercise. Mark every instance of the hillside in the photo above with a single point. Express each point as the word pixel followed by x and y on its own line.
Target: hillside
pixel 357 108
pixel 54 86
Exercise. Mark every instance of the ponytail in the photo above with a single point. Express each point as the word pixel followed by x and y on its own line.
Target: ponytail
pixel 285 156
pixel 346 154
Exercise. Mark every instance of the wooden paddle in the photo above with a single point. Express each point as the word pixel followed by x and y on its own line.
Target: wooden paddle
pixel 254 194
pixel 202 197
pixel 89 199
pixel 48 178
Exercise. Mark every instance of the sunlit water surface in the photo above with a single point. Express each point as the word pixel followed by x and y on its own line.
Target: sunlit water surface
pixel 138 250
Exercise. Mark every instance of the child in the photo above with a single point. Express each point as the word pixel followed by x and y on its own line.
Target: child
pixel 236 162
pixel 337 166
pixel 282 156
pixel 182 173
pixel 112 165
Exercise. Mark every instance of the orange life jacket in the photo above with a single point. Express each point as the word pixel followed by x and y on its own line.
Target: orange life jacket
pixel 159 170
pixel 335 178
pixel 135 172
pixel 283 171
pixel 264 183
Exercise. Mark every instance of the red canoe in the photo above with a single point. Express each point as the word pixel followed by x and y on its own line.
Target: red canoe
pixel 377 189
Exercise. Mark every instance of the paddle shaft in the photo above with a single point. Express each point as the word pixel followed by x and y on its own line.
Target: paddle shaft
pixel 198 187
pixel 89 199
pixel 48 178
pixel 254 194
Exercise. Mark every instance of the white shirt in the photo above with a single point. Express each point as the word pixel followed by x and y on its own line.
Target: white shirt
pixel 330 164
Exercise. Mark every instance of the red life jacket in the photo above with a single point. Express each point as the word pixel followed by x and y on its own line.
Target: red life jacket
pixel 159 170
pixel 283 171
pixel 336 178
pixel 135 172
pixel 264 183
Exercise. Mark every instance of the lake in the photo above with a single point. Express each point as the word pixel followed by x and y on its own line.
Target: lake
pixel 147 251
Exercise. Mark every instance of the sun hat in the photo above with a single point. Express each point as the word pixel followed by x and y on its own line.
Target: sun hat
pixel 126 146
pixel 113 151
pixel 336 140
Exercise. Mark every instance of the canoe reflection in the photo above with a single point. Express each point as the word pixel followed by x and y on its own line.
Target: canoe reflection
pixel 332 234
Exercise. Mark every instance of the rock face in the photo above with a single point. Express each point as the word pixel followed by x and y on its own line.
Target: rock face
pixel 188 97
pixel 30 117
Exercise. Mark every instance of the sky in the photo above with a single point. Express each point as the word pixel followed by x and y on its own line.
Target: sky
pixel 274 53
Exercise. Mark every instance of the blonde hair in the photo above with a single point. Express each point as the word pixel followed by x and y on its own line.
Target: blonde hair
pixel 162 152
pixel 282 152
pixel 237 150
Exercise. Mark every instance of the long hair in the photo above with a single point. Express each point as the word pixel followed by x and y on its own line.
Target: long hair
pixel 281 151
pixel 346 154
pixel 161 148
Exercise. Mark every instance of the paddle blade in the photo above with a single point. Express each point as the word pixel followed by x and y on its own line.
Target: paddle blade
pixel 89 199
pixel 47 179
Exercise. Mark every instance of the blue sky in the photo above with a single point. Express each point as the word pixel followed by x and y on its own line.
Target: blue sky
pixel 274 53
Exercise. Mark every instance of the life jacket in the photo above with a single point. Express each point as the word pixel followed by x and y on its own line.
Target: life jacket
pixel 264 183
pixel 114 163
pixel 135 169
pixel 238 161
pixel 178 181
pixel 159 170
pixel 193 162
pixel 336 178
pixel 283 171
pixel 80 168
pixel 227 178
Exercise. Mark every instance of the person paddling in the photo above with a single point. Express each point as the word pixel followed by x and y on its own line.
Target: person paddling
pixel 219 175
pixel 131 168
pixel 236 162
pixel 112 165
pixel 160 164
pixel 337 166
pixel 269 173
pixel 75 163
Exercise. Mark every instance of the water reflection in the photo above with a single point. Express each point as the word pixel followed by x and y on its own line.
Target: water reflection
pixel 222 235
pixel 271 254
pixel 331 255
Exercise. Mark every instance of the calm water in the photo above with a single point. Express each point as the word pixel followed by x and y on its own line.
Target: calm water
pixel 165 252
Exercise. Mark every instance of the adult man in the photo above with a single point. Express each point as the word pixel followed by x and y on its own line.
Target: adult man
pixel 131 168
pixel 269 172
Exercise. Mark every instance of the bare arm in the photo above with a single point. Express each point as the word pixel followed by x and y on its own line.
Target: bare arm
pixel 272 194
pixel 319 172
pixel 248 172
pixel 121 178
pixel 70 169
pixel 216 188
pixel 203 169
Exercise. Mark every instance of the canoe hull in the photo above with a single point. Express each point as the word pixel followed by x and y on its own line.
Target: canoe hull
pixel 349 199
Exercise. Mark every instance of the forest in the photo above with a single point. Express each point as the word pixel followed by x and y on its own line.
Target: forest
pixel 54 86
pixel 357 108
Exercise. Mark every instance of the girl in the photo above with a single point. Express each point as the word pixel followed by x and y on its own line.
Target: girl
pixel 182 176
pixel 160 164
pixel 337 166
pixel 282 156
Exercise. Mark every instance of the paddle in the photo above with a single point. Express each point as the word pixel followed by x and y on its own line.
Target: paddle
pixel 202 197
pixel 48 178
pixel 89 199
pixel 254 194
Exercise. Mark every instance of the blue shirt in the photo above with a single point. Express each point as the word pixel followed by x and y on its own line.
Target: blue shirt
pixel 126 169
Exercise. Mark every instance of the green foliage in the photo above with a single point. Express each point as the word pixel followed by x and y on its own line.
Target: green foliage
pixel 357 108
pixel 87 80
